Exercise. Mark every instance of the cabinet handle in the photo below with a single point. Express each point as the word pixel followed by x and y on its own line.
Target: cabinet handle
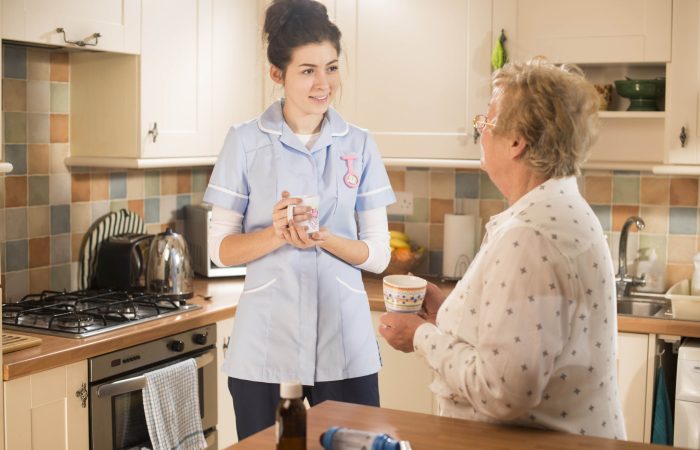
pixel 683 137
pixel 82 393
pixel 81 43
pixel 154 131
pixel 226 342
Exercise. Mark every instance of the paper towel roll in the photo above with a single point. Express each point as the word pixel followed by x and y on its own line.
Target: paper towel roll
pixel 459 243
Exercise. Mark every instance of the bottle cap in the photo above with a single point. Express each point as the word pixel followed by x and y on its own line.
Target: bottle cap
pixel 290 389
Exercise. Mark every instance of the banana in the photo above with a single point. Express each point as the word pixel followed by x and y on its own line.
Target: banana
pixel 398 235
pixel 398 243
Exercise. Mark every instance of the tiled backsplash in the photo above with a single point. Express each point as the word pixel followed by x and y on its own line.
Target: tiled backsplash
pixel 48 207
pixel 669 206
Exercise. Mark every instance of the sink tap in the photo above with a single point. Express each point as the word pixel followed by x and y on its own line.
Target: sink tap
pixel 623 281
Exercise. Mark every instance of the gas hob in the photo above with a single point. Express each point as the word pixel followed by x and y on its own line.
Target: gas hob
pixel 86 313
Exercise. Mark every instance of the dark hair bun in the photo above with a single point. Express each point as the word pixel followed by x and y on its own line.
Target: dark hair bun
pixel 293 23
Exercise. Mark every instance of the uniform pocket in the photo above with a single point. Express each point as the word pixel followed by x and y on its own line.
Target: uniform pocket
pixel 260 287
pixel 349 287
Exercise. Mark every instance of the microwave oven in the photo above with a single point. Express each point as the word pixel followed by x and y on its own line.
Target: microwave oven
pixel 197 219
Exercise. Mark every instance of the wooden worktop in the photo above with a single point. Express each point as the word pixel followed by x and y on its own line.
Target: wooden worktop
pixel 218 298
pixel 428 432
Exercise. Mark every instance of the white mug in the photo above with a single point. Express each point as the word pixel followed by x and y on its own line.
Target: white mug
pixel 312 225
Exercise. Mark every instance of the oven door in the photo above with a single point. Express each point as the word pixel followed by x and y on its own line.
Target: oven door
pixel 117 419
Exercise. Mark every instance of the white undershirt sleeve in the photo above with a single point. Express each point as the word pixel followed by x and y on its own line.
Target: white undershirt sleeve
pixel 374 231
pixel 223 222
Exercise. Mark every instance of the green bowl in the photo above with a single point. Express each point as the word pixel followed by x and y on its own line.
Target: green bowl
pixel 642 93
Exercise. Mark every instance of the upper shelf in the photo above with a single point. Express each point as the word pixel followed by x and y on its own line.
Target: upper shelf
pixel 632 114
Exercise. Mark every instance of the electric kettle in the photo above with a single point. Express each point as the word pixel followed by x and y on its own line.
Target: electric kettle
pixel 169 266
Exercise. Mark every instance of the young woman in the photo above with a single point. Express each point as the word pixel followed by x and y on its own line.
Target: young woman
pixel 304 312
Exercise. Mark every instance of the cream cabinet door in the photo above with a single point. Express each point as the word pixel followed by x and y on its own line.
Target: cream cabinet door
pixel 416 72
pixel 226 426
pixel 635 379
pixel 176 78
pixel 683 86
pixel 117 22
pixel 403 379
pixel 42 411
pixel 592 31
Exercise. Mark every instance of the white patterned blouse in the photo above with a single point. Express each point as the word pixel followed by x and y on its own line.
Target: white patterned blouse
pixel 528 336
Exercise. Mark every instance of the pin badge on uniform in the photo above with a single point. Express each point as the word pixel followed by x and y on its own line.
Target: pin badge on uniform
pixel 351 180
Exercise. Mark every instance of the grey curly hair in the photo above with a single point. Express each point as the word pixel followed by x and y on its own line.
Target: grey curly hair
pixel 554 108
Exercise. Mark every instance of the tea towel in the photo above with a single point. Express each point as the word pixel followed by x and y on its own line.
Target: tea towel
pixel 171 406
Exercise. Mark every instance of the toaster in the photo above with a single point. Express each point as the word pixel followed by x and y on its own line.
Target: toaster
pixel 197 218
pixel 122 261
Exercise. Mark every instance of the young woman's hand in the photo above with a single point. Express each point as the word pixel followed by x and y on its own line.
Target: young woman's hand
pixel 299 238
pixel 279 215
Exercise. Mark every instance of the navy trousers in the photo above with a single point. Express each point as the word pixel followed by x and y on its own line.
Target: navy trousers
pixel 255 403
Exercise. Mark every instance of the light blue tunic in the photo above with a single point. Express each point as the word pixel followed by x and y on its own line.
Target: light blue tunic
pixel 303 314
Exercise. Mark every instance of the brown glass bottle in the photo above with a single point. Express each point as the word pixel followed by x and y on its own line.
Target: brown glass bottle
pixel 291 418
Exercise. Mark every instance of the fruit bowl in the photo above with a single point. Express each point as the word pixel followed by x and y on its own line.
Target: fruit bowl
pixel 642 93
pixel 404 260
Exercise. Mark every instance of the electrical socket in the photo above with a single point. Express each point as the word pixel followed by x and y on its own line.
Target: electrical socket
pixel 403 205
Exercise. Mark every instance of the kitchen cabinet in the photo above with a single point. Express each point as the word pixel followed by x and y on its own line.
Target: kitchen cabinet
pixel 403 379
pixel 226 418
pixel 683 86
pixel 168 107
pixel 415 75
pixel 635 378
pixel 594 31
pixel 37 21
pixel 45 410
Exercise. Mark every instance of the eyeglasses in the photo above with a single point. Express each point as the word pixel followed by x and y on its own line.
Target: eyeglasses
pixel 480 121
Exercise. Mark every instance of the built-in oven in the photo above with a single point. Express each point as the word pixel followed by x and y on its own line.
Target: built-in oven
pixel 117 418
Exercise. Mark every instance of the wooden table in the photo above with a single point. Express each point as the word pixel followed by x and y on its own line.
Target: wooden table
pixel 428 432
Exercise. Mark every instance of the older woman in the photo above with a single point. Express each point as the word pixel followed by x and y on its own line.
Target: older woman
pixel 528 336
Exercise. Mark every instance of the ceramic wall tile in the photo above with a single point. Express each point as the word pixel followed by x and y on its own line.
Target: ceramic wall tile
pixel 37 128
pixel 80 217
pixel 180 203
pixel 655 218
pixel 152 210
pixel 38 159
pixel 598 190
pixel 38 190
pixel 59 128
pixel 683 220
pixel 39 221
pixel 168 182
pixel 488 190
pixel 604 215
pixel 184 181
pixel 39 279
pixel 397 178
pixel 117 185
pixel 116 205
pixel 61 277
pixel 17 255
pixel 684 192
pixel 60 98
pixel 15 223
pixel 421 211
pixel 76 240
pixel 15 191
pixel 99 209
pixel 135 184
pixel 80 187
pixel 59 188
pixel 137 206
pixel 168 209
pixel 626 189
pixel 442 184
pixel 620 213
pixel 39 252
pixel 99 186
pixel 419 233
pixel 418 182
pixel 439 207
pixel 57 158
pixel 14 95
pixel 200 179
pixel 16 285
pixel 659 242
pixel 655 190
pixel 60 219
pixel 681 249
pixel 38 64
pixel 678 272
pixel 467 185
pixel 15 128
pixel 60 249
pixel 60 69
pixel 14 62
pixel 437 236
pixel 16 154
pixel 38 97
pixel 152 183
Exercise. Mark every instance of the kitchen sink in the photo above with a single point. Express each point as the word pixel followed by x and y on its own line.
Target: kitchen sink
pixel 646 306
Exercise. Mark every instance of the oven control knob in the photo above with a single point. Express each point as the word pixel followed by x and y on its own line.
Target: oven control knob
pixel 176 346
pixel 200 338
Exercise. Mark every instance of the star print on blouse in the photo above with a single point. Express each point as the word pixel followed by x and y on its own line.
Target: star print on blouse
pixel 529 322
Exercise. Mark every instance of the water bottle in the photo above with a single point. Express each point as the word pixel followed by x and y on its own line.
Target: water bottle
pixel 336 438
pixel 290 422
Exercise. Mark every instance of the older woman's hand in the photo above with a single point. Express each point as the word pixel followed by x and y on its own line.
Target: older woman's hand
pixel 398 329
pixel 434 297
